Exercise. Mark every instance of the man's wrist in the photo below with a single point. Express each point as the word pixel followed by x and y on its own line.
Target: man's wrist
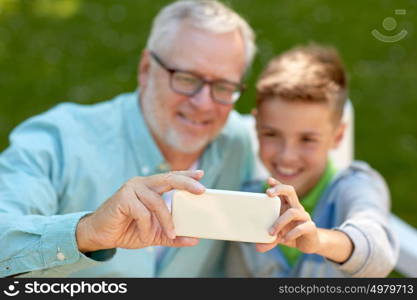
pixel 83 235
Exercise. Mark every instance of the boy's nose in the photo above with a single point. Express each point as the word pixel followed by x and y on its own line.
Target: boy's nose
pixel 288 153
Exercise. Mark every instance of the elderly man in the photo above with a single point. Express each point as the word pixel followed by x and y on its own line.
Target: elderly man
pixel 79 182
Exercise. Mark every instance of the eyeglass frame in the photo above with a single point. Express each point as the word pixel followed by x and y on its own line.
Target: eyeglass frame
pixel 240 86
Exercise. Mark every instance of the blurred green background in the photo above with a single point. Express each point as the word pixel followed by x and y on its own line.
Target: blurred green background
pixel 87 51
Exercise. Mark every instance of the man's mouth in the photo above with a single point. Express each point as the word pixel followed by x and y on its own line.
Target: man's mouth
pixel 194 122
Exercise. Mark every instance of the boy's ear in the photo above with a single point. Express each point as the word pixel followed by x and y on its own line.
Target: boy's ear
pixel 143 69
pixel 339 134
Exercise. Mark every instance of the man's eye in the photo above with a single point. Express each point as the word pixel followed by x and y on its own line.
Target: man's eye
pixel 223 89
pixel 186 79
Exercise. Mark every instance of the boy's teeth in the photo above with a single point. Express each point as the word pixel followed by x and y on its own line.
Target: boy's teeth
pixel 287 171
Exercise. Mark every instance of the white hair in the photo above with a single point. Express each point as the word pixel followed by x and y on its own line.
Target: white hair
pixel 210 15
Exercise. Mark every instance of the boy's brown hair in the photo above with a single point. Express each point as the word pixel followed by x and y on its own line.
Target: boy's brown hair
pixel 310 73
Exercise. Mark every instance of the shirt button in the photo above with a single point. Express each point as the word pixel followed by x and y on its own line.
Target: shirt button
pixel 60 256
pixel 145 170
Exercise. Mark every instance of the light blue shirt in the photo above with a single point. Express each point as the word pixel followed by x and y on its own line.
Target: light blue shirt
pixel 64 163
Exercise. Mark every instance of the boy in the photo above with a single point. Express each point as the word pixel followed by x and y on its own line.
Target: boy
pixel 332 223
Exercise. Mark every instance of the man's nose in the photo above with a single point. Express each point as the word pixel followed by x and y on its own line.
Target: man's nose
pixel 203 99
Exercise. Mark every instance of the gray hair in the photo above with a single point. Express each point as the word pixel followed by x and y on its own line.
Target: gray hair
pixel 210 15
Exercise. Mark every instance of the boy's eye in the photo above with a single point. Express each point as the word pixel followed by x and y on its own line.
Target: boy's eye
pixel 308 140
pixel 268 134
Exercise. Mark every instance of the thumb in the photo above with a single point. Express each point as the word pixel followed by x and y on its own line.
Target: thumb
pixel 181 241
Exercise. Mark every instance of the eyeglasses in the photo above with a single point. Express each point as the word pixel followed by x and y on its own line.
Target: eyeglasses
pixel 189 84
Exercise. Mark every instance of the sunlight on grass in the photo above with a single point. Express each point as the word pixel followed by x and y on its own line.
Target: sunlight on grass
pixel 56 8
pixel 8 6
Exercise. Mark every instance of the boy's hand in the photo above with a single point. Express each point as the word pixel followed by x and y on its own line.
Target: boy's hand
pixel 294 227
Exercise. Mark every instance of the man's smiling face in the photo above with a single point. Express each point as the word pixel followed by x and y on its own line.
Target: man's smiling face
pixel 188 123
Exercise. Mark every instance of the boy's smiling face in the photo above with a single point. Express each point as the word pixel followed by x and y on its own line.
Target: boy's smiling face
pixel 295 138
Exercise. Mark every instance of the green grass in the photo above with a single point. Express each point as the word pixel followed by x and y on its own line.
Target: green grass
pixel 87 51
pixel 395 274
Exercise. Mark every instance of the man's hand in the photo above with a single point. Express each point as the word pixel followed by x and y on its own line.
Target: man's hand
pixel 136 216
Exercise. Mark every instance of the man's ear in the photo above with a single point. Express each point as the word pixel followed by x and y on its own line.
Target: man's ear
pixel 254 112
pixel 339 134
pixel 143 69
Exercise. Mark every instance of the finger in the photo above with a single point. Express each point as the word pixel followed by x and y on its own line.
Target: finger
pixel 289 227
pixel 287 191
pixel 196 174
pixel 285 230
pixel 143 219
pixel 181 241
pixel 272 181
pixel 292 214
pixel 264 247
pixel 155 232
pixel 298 231
pixel 181 180
pixel 284 205
pixel 157 206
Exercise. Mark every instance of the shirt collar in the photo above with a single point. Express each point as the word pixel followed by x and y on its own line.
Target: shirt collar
pixel 310 200
pixel 149 157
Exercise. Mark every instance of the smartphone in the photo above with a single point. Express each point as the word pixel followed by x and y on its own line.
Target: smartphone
pixel 225 215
